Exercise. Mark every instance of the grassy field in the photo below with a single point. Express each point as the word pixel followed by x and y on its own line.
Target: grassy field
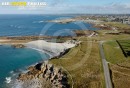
pixel 102 36
pixel 113 52
pixel 84 68
pixel 118 25
pixel 89 73
pixel 119 64
pixel 126 46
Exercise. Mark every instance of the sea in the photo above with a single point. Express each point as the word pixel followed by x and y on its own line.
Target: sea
pixel 14 61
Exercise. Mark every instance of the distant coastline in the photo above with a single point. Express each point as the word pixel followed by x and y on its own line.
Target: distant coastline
pixel 20 41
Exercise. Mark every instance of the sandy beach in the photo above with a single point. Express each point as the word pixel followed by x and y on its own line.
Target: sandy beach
pixel 53 49
pixel 4 40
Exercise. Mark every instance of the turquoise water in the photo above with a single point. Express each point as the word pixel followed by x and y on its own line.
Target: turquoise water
pixel 16 60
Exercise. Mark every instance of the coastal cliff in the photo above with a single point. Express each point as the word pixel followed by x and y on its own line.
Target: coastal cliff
pixel 44 75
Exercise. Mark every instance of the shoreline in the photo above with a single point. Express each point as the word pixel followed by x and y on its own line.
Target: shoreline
pixel 41 75
pixel 42 51
pixel 28 40
pixel 43 61
pixel 87 75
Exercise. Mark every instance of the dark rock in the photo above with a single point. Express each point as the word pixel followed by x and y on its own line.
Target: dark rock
pixel 18 46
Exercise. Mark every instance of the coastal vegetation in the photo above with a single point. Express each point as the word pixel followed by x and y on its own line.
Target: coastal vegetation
pixel 125 44
pixel 26 39
pixel 118 25
pixel 82 64
pixel 89 73
pixel 119 64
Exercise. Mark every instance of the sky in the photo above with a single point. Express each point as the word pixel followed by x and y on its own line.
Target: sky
pixel 70 7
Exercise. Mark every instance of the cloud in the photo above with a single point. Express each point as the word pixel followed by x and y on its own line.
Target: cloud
pixel 115 8
pixel 56 2
pixel 60 7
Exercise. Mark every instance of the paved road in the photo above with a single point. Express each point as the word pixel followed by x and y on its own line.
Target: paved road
pixel 105 67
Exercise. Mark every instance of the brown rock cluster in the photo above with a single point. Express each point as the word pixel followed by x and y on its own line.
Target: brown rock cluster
pixel 46 72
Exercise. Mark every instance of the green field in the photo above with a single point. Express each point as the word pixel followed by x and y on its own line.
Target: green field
pixel 113 52
pixel 118 25
pixel 126 46
pixel 84 69
pixel 119 64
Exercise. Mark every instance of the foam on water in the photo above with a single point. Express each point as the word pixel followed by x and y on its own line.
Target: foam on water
pixel 8 79
pixel 15 61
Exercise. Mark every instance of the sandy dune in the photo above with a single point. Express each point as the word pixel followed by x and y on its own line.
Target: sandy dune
pixel 3 40
pixel 49 47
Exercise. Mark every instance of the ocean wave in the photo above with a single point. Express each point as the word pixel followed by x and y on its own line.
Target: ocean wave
pixel 8 80
pixel 12 82
pixel 16 26
pixel 38 21
pixel 11 72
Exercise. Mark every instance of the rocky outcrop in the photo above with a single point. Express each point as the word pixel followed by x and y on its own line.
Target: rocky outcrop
pixel 51 75
pixel 63 21
pixel 18 46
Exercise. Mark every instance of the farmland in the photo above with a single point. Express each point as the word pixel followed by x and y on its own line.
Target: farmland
pixel 119 64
